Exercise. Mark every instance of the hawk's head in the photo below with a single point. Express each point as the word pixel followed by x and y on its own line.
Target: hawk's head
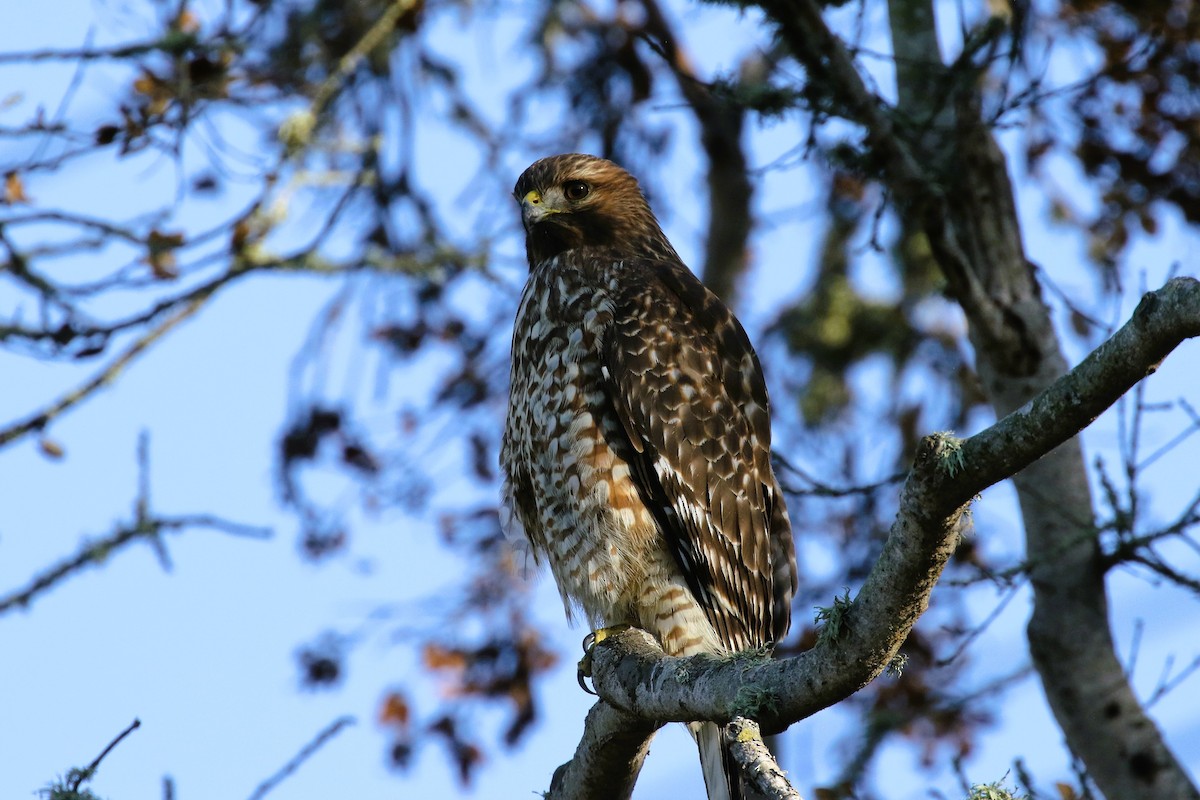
pixel 572 201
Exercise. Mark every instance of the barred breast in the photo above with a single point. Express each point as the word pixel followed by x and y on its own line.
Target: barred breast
pixel 569 489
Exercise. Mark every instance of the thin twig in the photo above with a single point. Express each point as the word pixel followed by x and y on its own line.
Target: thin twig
pixel 90 53
pixel 978 630
pixel 821 489
pixel 306 752
pixel 96 552
pixel 40 419
pixel 348 63
pixel 86 774
pixel 1166 684
pixel 1178 439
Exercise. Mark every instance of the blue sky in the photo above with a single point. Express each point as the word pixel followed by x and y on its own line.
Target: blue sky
pixel 203 655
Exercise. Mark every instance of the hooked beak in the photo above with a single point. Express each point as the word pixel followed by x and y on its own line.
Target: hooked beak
pixel 534 209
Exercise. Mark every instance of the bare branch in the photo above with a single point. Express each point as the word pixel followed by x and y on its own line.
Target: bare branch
pixel 608 759
pixel 822 489
pixel 827 60
pixel 84 775
pixel 1167 683
pixel 1178 439
pixel 75 778
pixel 297 130
pixel 306 752
pixel 38 420
pixel 1163 319
pixel 149 528
pixel 175 44
pixel 757 766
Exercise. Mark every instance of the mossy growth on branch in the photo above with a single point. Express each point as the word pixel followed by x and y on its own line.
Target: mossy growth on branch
pixel 751 701
pixel 948 449
pixel 993 791
pixel 831 620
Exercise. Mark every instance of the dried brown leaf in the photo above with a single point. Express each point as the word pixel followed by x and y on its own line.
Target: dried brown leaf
pixel 161 253
pixel 1066 791
pixel 51 448
pixel 395 711
pixel 437 657
pixel 14 189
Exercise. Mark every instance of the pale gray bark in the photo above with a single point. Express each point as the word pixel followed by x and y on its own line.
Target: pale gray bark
pixel 761 774
pixel 608 759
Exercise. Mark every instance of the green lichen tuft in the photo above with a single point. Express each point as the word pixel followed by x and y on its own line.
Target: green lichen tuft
pixel 831 620
pixel 895 667
pixel 752 701
pixel 751 657
pixel 69 787
pixel 993 791
pixel 948 449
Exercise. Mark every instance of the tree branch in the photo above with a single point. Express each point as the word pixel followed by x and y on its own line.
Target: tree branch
pixel 608 758
pixel 86 774
pixel 758 767
pixel 306 752
pixel 38 420
pixel 638 682
pixel 69 786
pixel 146 526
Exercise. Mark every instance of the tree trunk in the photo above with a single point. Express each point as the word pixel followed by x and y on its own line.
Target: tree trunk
pixel 975 234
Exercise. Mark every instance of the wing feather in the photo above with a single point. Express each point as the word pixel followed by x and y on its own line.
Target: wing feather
pixel 690 394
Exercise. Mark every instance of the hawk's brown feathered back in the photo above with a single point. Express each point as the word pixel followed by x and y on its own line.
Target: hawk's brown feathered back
pixel 637 446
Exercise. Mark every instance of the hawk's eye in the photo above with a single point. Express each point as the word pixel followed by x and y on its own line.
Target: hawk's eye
pixel 576 190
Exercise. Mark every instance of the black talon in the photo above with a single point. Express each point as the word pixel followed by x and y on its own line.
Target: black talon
pixel 584 669
pixel 582 677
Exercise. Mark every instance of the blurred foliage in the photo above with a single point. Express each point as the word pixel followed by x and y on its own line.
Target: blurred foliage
pixel 1137 119
pixel 840 322
pixel 331 180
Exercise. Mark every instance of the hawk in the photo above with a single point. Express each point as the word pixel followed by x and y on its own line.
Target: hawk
pixel 636 450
